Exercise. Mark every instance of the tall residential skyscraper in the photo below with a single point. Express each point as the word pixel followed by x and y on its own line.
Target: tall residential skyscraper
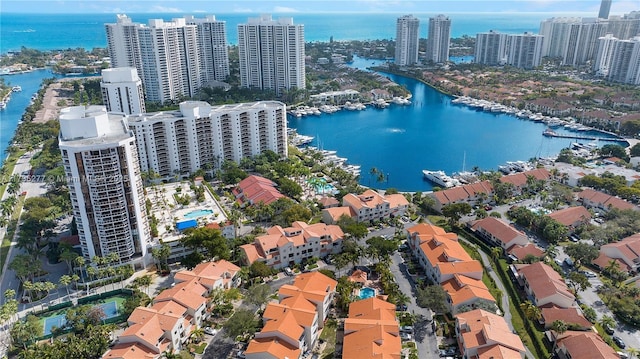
pixel 606 44
pixel 272 54
pixel 605 7
pixel 582 41
pixel 556 34
pixel 491 48
pixel 214 52
pixel 122 91
pixel 407 36
pixel 524 51
pixel 201 136
pixel 173 58
pixel 103 174
pixel 624 27
pixel 438 39
pixel 625 62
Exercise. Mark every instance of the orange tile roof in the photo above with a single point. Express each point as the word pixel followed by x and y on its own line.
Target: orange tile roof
pixel 603 261
pixel 372 308
pixel 149 332
pixel 462 289
pixel 463 193
pixel 461 267
pixel 170 307
pixel 571 316
pixel 628 247
pixel 276 348
pixel 544 281
pixel 143 314
pixel 520 179
pixel 396 200
pixel 294 298
pixel 368 198
pixel 284 324
pixel 358 276
pixel 571 215
pixel 315 282
pixel 328 202
pixel 336 212
pixel 479 328
pixel 586 345
pixel 371 331
pixel 303 316
pixel 498 352
pixel 251 252
pixel 130 351
pixel 190 294
pixel 258 189
pixel 522 251
pixel 499 229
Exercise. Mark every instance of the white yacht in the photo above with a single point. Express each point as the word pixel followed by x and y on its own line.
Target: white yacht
pixel 440 178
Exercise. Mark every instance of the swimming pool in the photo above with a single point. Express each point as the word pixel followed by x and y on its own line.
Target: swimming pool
pixel 367 292
pixel 321 186
pixel 198 213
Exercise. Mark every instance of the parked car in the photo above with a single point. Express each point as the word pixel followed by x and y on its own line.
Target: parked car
pixel 288 271
pixel 588 274
pixel 406 329
pixel 405 336
pixel 619 342
pixel 401 308
pixel 607 329
pixel 210 331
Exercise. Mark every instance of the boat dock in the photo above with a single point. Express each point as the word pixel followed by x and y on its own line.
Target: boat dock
pixel 578 137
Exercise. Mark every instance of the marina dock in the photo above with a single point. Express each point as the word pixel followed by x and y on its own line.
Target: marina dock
pixel 579 137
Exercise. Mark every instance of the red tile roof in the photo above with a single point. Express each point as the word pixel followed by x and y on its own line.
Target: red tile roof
pixel 256 189
pixel 499 229
pixel 571 215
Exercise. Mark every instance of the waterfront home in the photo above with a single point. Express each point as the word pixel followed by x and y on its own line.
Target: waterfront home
pixel 475 193
pixel 291 324
pixel 626 252
pixel 572 217
pixel 282 247
pixel 519 180
pixel 572 316
pixel 595 199
pixel 371 331
pixel 255 189
pixel 575 344
pixel 482 334
pixel 335 97
pixel 499 233
pixel 543 285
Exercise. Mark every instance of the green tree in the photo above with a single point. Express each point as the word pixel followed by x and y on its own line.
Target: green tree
pixel 432 297
pixel 242 322
pixel 582 253
pixel 560 328
pixel 579 281
pixel 379 248
pixel 258 294
pixel 530 311
pixel 260 269
pixel 351 227
pixel 207 240
pixel 455 211
pixel 161 254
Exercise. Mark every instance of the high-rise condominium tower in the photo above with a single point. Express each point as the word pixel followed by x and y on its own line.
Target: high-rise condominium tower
pixel 407 36
pixel 524 51
pixel 101 163
pixel 438 39
pixel 122 91
pixel 491 48
pixel 271 54
pixel 625 61
pixel 214 54
pixel 605 7
pixel 173 58
pixel 201 136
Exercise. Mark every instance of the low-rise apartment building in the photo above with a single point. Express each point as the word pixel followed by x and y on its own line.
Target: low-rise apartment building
pixel 282 247
pixel 482 334
pixel 499 233
pixel 366 207
pixel 371 331
pixel 543 285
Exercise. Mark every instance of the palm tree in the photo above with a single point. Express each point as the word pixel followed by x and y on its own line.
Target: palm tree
pixel 633 352
pixel 197 334
pixel 65 280
pixel 170 355
pixel 496 253
pixel 530 311
pixel 607 322
pixel 560 328
pixel 79 261
pixel 552 251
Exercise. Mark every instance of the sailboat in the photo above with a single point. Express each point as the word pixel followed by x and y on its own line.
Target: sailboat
pixel 465 176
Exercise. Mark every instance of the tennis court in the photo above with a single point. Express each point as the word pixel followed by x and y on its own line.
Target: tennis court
pixel 57 319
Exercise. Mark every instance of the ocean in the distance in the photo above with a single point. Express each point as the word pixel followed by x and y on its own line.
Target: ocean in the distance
pixel 62 31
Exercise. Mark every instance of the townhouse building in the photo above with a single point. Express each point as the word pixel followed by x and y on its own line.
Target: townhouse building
pixel 282 247
pixel 371 330
pixel 625 252
pixel 543 285
pixel 499 233
pixel 366 207
pixel 482 334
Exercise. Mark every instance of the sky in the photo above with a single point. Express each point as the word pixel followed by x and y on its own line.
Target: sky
pixel 313 6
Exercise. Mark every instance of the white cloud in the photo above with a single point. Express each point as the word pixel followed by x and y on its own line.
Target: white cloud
pixel 284 9
pixel 158 8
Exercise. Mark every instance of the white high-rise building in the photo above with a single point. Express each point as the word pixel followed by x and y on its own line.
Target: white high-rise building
pixel 605 7
pixel 122 91
pixel 122 42
pixel 170 61
pixel 173 58
pixel 407 37
pixel 606 44
pixel 103 173
pixel 556 34
pixel 582 41
pixel 625 62
pixel 272 54
pixel 438 39
pixel 491 48
pixel 214 52
pixel 178 143
pixel 524 51
pixel 624 27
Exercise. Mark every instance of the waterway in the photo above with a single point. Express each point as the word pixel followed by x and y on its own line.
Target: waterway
pixel 431 133
pixel 11 115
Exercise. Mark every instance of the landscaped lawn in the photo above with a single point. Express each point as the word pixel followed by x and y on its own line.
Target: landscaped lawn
pixel 329 336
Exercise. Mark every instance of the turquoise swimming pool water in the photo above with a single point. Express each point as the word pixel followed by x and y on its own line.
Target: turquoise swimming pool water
pixel 322 187
pixel 198 213
pixel 367 292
